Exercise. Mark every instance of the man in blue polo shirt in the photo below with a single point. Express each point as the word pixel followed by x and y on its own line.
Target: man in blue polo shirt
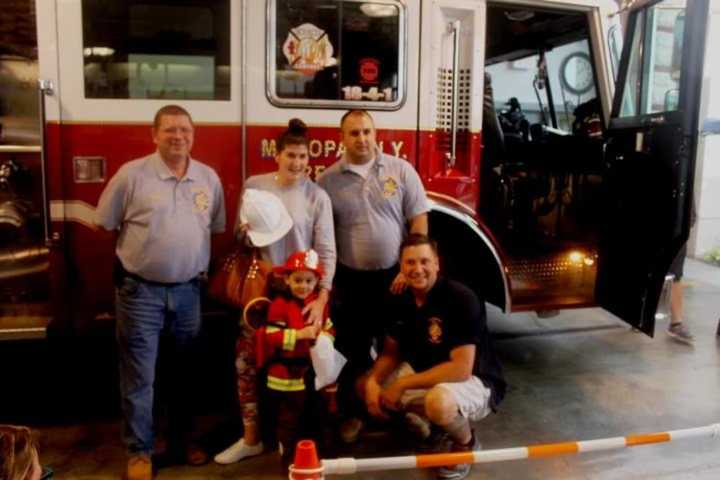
pixel 376 200
pixel 164 207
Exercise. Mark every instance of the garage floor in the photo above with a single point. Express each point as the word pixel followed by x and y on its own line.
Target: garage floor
pixel 579 376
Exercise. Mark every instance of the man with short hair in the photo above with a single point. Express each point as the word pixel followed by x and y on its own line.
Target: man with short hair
pixel 164 206
pixel 376 199
pixel 437 367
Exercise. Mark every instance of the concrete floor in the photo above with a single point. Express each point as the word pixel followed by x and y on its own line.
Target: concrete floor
pixel 579 376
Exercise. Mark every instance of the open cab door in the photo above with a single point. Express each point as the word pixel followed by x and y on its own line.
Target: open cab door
pixel 650 156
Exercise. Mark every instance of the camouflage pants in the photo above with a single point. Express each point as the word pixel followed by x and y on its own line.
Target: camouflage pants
pixel 246 370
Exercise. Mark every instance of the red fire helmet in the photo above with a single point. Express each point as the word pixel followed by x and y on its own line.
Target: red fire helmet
pixel 298 261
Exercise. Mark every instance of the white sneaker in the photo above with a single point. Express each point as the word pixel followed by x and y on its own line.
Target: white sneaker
pixel 237 451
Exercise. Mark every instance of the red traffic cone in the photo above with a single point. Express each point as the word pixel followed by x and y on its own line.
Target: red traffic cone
pixel 307 466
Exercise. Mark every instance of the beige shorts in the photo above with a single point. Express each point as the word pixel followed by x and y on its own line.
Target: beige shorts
pixel 472 396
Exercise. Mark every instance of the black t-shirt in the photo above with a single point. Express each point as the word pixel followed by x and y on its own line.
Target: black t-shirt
pixel 452 316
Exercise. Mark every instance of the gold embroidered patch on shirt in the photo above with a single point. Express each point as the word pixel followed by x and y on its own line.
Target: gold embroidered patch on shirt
pixel 435 330
pixel 390 187
pixel 201 201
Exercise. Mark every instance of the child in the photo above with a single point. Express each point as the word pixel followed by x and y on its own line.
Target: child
pixel 283 348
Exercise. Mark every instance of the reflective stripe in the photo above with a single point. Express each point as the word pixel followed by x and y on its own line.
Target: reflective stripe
pixel 271 329
pixel 328 324
pixel 286 384
pixel 289 338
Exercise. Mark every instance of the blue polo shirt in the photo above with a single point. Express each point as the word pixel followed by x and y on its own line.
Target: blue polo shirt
pixel 164 223
pixel 371 213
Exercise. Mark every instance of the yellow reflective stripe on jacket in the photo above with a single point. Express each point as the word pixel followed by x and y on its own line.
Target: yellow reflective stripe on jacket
pixel 328 324
pixel 285 384
pixel 269 329
pixel 289 338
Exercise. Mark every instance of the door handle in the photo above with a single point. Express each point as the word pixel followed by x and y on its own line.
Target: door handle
pixel 45 87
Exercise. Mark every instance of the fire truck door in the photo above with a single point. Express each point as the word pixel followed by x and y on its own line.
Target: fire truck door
pixel 650 156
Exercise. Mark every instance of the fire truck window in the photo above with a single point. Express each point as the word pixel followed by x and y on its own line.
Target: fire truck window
pixel 667 37
pixel 631 91
pixel 653 80
pixel 159 49
pixel 615 42
pixel 336 52
pixel 517 85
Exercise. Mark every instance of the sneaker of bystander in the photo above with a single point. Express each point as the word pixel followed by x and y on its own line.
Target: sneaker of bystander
pixel 678 331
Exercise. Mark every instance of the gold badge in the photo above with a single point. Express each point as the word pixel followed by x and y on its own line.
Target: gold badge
pixel 435 330
pixel 390 187
pixel 201 201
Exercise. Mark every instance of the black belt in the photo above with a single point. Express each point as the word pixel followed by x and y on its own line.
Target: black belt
pixel 119 273
pixel 159 284
pixel 381 271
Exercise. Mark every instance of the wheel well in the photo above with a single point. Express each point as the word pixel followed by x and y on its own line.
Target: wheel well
pixel 465 256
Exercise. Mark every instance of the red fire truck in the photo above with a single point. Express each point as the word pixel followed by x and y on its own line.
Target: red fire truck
pixel 558 156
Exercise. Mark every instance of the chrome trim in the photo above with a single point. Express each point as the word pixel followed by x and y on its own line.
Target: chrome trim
pixel 20 148
pixel 663 309
pixel 454 29
pixel 76 168
pixel 45 87
pixel 471 223
pixel 270 46
pixel 32 333
pixel 453 201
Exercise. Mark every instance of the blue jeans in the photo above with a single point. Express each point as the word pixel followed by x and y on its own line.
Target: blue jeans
pixel 144 312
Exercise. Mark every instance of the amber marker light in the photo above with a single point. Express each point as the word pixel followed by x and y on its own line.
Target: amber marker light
pixel 576 257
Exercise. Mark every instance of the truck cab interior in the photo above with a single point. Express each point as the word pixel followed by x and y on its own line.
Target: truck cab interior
pixel 542 160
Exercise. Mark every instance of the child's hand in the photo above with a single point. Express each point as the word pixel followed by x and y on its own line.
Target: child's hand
pixel 308 333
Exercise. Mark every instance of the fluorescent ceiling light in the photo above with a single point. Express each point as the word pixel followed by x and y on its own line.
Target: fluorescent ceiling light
pixel 98 51
pixel 378 10
pixel 519 15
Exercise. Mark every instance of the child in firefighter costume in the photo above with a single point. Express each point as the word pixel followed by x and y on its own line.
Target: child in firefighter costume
pixel 294 354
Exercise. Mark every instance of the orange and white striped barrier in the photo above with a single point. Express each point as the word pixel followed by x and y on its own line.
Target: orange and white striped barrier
pixel 344 466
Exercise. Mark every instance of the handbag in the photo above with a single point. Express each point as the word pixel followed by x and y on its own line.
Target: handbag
pixel 240 278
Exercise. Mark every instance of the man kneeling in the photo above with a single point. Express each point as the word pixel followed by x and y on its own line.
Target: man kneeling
pixel 437 368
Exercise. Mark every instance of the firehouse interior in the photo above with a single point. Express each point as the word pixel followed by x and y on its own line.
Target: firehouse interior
pixel 542 162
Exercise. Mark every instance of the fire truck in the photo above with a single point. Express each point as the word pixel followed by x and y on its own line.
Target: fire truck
pixel 557 152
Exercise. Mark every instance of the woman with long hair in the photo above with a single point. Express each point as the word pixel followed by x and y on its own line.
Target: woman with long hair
pixel 311 212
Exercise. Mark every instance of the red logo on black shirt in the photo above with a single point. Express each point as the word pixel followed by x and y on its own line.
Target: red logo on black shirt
pixel 435 330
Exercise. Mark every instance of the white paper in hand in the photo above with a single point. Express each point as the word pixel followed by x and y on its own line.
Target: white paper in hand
pixel 327 362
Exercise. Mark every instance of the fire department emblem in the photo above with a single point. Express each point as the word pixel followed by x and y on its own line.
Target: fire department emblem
pixel 201 201
pixel 390 187
pixel 435 330
pixel 312 259
pixel 308 49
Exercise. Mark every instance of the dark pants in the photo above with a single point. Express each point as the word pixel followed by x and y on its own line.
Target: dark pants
pixel 359 304
pixel 297 415
pixel 288 409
